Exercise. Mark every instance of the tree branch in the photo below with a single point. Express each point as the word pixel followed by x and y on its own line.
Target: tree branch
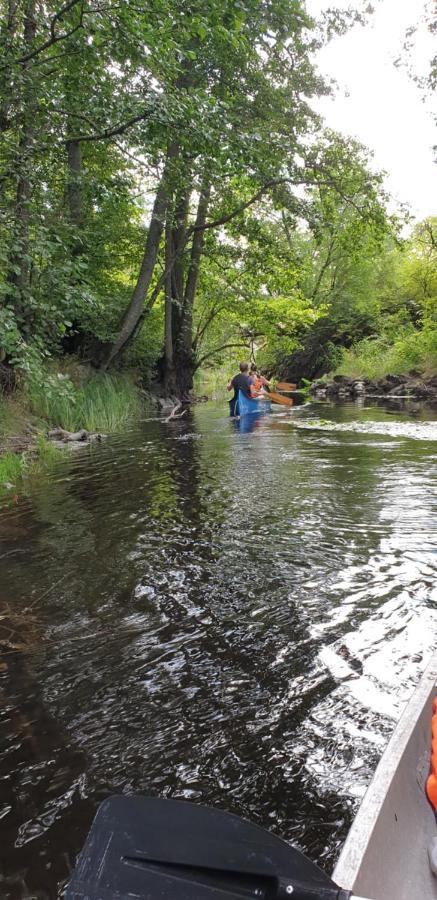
pixel 110 132
pixel 55 38
pixel 203 324
pixel 217 350
pixel 274 182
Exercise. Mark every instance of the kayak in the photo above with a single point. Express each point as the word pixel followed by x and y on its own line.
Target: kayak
pixel 246 406
pixel 385 856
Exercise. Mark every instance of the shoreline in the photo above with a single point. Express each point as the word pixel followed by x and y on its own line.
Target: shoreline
pixel 31 445
pixel 412 387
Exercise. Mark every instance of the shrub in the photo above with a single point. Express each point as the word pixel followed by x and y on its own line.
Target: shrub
pixel 374 358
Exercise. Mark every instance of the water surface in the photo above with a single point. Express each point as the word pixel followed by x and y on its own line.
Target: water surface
pixel 230 613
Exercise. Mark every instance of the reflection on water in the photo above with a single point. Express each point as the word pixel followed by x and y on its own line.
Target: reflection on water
pixel 233 613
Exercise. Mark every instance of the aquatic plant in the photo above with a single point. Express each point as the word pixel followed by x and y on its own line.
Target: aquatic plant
pixel 17 467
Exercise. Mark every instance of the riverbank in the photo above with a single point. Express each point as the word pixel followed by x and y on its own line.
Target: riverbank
pixel 38 421
pixel 391 387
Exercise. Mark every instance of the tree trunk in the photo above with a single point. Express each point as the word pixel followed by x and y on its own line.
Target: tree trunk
pixel 179 372
pixel 176 242
pixel 20 263
pixel 74 186
pixel 136 305
pixel 180 377
pixel 186 336
pixel 168 309
pixel 8 34
pixel 178 380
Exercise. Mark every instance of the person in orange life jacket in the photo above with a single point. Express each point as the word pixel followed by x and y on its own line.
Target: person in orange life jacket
pixel 259 382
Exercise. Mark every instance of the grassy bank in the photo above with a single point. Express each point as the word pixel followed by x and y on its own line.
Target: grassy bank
pixel 71 400
pixel 15 467
pixel 104 403
pixel 376 357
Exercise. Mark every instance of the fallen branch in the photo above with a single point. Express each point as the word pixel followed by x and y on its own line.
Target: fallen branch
pixel 174 411
pixel 63 435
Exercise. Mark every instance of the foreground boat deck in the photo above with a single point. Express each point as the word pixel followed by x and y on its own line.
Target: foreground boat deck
pixel 385 856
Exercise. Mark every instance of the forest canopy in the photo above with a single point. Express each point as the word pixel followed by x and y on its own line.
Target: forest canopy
pixel 171 200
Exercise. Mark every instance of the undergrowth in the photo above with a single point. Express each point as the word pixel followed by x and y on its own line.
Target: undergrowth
pixel 102 403
pixel 374 358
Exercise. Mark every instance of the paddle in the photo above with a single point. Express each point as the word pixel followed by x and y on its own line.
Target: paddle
pixel 285 386
pixel 278 398
pixel 146 847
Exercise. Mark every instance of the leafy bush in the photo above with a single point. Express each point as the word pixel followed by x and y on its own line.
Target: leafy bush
pixel 374 358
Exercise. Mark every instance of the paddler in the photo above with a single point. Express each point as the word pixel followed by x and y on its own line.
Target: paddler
pixel 241 382
pixel 259 382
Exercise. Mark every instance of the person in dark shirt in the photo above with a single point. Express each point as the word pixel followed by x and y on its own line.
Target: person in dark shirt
pixel 241 382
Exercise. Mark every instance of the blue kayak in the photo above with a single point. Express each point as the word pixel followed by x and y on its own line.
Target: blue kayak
pixel 247 405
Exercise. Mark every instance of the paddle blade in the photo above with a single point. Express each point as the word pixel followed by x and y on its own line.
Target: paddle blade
pixel 285 386
pixel 278 398
pixel 148 848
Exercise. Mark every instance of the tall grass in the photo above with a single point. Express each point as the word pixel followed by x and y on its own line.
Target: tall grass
pixel 378 357
pixel 11 469
pixel 16 467
pixel 103 403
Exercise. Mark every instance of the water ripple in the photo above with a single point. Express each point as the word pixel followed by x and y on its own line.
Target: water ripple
pixel 228 615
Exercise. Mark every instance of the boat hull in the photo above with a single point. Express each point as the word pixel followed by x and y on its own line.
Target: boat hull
pixel 247 406
pixel 385 856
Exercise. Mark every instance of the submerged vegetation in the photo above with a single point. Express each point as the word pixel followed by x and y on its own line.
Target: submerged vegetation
pixel 18 467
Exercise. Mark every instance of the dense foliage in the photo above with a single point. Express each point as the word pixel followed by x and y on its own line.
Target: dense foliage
pixel 170 197
pixel 380 302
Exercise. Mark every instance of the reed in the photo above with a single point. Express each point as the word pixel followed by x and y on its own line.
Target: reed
pixel 103 403
pixel 11 469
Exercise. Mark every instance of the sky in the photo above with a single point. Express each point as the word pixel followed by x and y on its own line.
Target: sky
pixel 379 103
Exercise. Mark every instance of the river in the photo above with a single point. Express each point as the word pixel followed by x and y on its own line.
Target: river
pixel 228 615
